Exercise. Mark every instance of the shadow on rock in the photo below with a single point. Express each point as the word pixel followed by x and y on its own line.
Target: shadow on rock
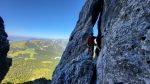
pixel 39 81
pixel 5 62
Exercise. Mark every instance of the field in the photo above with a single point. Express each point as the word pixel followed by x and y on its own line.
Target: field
pixel 33 59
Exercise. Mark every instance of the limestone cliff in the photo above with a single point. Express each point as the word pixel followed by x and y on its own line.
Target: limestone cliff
pixel 5 62
pixel 125 54
pixel 126 45
pixel 76 65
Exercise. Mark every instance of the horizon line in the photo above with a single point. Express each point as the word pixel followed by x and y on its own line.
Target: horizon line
pixel 37 37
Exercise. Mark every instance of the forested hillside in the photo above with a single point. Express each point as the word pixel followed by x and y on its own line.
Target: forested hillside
pixel 33 59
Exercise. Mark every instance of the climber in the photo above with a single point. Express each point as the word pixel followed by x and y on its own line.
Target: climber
pixel 90 43
pixel 97 14
pixel 98 45
pixel 97 50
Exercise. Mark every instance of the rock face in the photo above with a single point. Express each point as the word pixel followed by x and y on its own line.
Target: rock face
pixel 126 44
pixel 5 62
pixel 125 54
pixel 76 65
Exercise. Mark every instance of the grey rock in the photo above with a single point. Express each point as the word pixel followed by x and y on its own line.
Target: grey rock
pixel 76 65
pixel 125 46
pixel 5 62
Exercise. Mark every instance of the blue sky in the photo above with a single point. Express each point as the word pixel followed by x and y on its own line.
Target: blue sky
pixel 40 18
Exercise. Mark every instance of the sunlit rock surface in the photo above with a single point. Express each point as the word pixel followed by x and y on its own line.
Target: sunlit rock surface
pixel 126 43
pixel 125 54
pixel 76 65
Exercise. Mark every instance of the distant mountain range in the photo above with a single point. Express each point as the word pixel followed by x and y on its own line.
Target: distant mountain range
pixel 60 42
pixel 19 38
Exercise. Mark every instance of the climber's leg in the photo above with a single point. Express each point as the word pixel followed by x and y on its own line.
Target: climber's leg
pixel 91 49
pixel 97 52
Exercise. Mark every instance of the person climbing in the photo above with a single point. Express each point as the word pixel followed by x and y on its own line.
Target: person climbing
pixel 97 50
pixel 97 15
pixel 90 43
pixel 98 45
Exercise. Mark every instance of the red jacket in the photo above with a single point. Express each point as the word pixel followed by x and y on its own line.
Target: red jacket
pixel 90 40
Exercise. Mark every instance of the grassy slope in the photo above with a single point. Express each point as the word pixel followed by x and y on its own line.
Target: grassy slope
pixel 32 60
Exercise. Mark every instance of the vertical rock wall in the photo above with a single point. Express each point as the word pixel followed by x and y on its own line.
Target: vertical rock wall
pixel 125 54
pixel 126 44
pixel 76 65
pixel 5 62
